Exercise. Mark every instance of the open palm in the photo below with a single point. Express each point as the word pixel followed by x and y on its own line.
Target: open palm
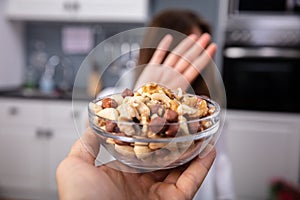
pixel 182 65
pixel 79 178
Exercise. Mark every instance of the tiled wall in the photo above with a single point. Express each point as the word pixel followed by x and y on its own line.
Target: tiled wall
pixel 44 40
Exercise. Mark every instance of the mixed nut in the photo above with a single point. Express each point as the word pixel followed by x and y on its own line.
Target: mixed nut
pixel 152 111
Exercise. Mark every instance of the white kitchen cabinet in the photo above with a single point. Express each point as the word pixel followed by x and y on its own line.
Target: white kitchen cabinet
pixel 39 9
pixel 20 153
pixel 35 136
pixel 59 147
pixel 60 123
pixel 113 10
pixel 78 10
pixel 262 147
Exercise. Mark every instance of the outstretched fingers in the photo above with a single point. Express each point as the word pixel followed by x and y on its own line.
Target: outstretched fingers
pixel 161 50
pixel 200 63
pixel 179 50
pixel 187 57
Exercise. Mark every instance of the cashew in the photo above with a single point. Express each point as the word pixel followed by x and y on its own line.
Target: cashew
pixel 155 145
pixel 118 98
pixel 179 93
pixel 136 99
pixel 110 141
pixel 108 113
pixel 127 111
pixel 141 151
pixel 144 112
pixel 185 109
pixel 212 110
pixel 124 127
pixel 95 107
pixel 161 97
pixel 125 150
pixel 183 125
pixel 190 101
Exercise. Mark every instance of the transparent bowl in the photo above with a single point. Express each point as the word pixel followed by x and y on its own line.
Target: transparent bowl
pixel 154 152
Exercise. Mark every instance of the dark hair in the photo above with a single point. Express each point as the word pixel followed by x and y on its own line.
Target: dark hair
pixel 183 21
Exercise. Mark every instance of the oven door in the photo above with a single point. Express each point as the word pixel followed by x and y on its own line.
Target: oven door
pixel 264 79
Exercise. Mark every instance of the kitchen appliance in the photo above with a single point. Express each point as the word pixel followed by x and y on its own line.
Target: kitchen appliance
pixel 264 6
pixel 261 62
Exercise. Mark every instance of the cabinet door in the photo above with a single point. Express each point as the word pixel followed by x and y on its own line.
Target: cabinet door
pixel 59 147
pixel 262 150
pixel 21 155
pixel 62 114
pixel 40 9
pixel 61 118
pixel 113 10
pixel 78 10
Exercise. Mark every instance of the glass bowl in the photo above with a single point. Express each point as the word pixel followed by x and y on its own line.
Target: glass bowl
pixel 139 149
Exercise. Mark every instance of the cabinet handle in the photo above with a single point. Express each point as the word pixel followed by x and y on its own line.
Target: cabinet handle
pixel 13 111
pixel 48 134
pixel 76 6
pixel 39 133
pixel 67 6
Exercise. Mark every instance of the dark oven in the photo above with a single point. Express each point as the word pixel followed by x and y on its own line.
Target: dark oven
pixel 264 6
pixel 261 66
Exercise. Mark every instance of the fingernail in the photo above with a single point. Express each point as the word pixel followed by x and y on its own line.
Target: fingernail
pixel 193 36
pixel 205 36
pixel 167 37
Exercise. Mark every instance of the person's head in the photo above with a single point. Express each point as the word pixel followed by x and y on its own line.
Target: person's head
pixel 180 20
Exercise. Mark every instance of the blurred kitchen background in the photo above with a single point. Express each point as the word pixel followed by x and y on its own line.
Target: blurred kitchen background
pixel 44 42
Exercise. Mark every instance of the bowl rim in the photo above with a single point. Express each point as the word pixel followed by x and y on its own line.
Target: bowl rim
pixel 212 102
pixel 195 136
pixel 191 137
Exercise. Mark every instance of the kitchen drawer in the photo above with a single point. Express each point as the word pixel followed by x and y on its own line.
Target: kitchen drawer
pixel 20 112
pixel 62 114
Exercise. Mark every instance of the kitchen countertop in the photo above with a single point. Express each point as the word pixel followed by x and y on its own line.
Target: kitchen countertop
pixel 35 94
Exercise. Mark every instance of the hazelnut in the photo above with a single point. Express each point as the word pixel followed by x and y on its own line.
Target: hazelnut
pixel 111 126
pixel 195 127
pixel 172 130
pixel 158 125
pixel 157 109
pixel 127 92
pixel 162 152
pixel 119 142
pixel 109 103
pixel 171 115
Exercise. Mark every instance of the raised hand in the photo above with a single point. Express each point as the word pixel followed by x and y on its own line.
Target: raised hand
pixel 182 65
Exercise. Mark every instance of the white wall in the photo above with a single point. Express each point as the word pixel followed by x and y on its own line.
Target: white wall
pixel 12 62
